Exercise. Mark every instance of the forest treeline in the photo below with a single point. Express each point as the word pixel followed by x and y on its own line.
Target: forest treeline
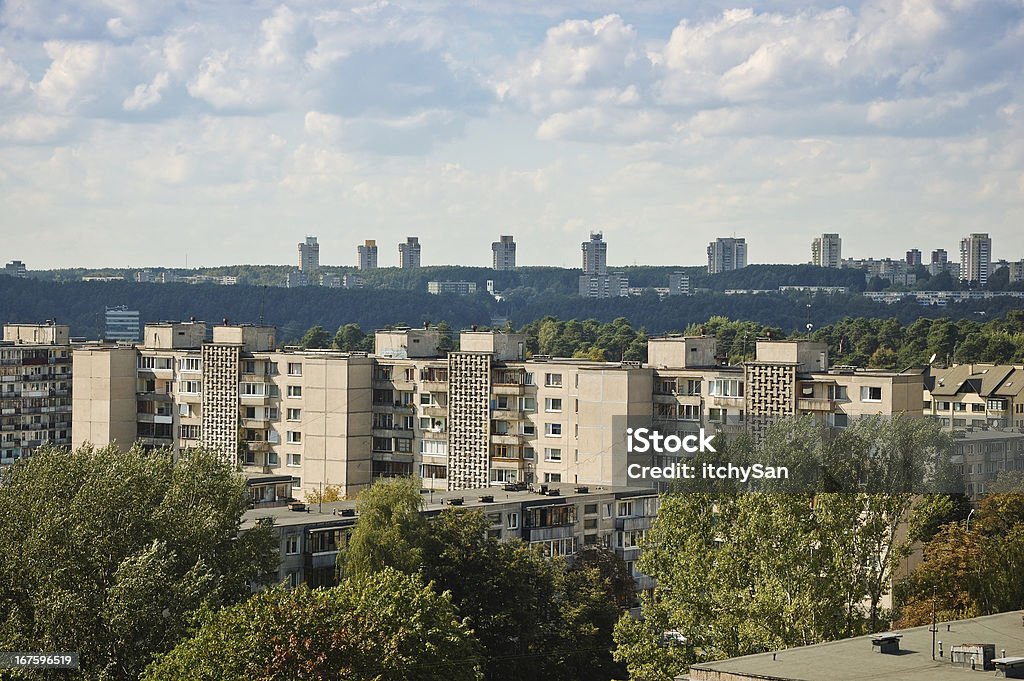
pixel 293 311
pixel 859 341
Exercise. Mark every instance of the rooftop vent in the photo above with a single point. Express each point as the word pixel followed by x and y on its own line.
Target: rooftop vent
pixel 455 501
pixel 487 499
pixel 974 656
pixel 1011 667
pixel 554 492
pixel 582 489
pixel 887 644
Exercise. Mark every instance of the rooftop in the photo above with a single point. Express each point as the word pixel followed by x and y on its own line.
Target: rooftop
pixel 437 500
pixel 855 659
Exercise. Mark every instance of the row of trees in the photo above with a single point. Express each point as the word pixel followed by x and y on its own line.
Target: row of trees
pixel 743 572
pixel 860 341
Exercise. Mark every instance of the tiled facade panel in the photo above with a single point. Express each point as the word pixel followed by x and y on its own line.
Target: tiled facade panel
pixel 469 390
pixel 220 399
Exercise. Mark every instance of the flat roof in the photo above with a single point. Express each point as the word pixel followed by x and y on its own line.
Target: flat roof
pixel 437 500
pixel 987 434
pixel 854 659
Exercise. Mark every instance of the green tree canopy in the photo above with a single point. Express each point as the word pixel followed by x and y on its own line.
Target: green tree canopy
pixel 111 553
pixel 385 625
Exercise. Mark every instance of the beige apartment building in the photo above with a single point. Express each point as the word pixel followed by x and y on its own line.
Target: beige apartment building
pixel 975 396
pixel 35 388
pixel 298 421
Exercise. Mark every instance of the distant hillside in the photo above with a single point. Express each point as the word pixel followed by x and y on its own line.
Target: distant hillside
pixel 81 304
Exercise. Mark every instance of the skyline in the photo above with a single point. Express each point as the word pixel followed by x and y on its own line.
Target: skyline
pixel 133 135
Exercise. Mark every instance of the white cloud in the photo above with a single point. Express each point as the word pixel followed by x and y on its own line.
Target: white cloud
pixel 146 95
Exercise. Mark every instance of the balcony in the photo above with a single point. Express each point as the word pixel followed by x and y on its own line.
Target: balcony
pixel 549 533
pixel 507 415
pixel 814 404
pixel 392 432
pixel 727 401
pixel 323 559
pixel 255 423
pixel 399 457
pixel 248 400
pixel 258 445
pixel 434 386
pixel 436 412
pixel 154 418
pixel 435 435
pixel 506 389
pixel 633 523
pixel 506 439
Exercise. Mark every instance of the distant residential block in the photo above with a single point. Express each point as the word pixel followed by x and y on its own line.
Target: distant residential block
pixel 409 253
pixel 826 250
pixel 121 324
pixel 726 254
pixel 678 284
pixel 460 288
pixel 976 258
pixel 309 255
pixel 367 253
pixel 503 254
pixel 16 268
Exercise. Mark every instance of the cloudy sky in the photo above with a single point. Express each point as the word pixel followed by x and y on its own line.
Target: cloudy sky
pixel 140 132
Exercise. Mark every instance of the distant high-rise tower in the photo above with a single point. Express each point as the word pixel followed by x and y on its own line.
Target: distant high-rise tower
pixel 975 258
pixel 914 257
pixel 939 256
pixel 725 254
pixel 409 253
pixel 826 250
pixel 595 255
pixel 368 255
pixel 309 255
pixel 504 253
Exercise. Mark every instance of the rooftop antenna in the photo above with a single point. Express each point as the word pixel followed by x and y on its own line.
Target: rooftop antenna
pixel 263 301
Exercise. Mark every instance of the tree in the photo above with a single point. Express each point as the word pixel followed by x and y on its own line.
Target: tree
pixel 390 530
pixel 381 626
pixel 316 338
pixel 350 338
pixel 111 554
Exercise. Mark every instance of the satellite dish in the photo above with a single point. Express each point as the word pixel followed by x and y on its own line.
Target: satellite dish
pixel 810 326
pixel 932 360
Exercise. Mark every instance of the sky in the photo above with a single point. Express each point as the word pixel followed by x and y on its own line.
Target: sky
pixel 170 133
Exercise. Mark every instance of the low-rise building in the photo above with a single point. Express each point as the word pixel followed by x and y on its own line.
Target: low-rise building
pixel 559 519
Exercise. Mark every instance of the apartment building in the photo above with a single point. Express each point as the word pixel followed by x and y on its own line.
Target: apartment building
pixel 459 288
pixel 694 388
pixel 826 250
pixel 121 324
pixel 35 388
pixel 503 253
pixel 295 417
pixel 726 254
pixel 309 256
pixel 976 258
pixel 559 519
pixel 975 395
pixel 409 253
pixel 367 253
pixel 596 281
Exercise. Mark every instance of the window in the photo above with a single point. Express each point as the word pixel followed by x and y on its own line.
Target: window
pixel 529 428
pixel 552 454
pixel 296 483
pixel 839 420
pixel 403 444
pixel 625 509
pixel 553 380
pixel 426 399
pixel 248 366
pixel 185 409
pixel 528 453
pixel 294 459
pixel 272 459
pixel 190 432
pixel 253 389
pixel 272 436
pixel 689 412
pixel 553 429
pixel 191 387
pixel 725 387
pixel 271 368
pixel 272 413
pixel 294 368
pixel 959 406
pixel 191 364
pixel 291 544
pixel 590 524
pixel 715 415
pixel 528 403
pixel 837 392
pixel 295 391
pixel 870 393
pixel 501 476
pixel 552 477
pixel 382 444
pixel 590 509
pixel 553 404
pixel 294 437
pixel 294 414
pixel 512 521
pixel 692 386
